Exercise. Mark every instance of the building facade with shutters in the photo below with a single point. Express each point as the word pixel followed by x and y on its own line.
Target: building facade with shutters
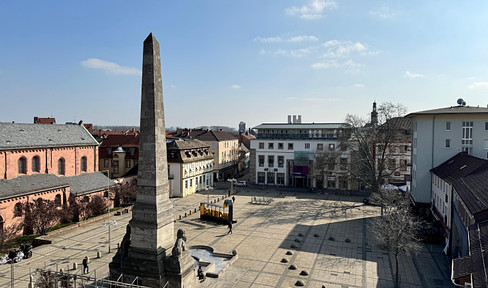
pixel 191 166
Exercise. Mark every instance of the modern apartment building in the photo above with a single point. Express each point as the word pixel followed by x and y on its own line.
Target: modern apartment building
pixel 285 153
pixel 440 134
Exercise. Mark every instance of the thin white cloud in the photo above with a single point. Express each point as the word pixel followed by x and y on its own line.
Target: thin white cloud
pixel 359 85
pixel 109 67
pixel 413 75
pixel 297 53
pixel 235 86
pixel 384 12
pixel 478 85
pixel 336 48
pixel 313 10
pixel 295 39
pixel 349 65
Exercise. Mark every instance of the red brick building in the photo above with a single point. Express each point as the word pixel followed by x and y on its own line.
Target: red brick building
pixel 48 161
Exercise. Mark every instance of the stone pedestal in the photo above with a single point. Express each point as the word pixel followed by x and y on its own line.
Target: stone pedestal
pixel 181 271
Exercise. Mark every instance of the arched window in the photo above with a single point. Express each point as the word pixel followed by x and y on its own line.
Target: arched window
pixel 83 164
pixel 18 210
pixel 22 165
pixel 57 200
pixel 61 166
pixel 36 164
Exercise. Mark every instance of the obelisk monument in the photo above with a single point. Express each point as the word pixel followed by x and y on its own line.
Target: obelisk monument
pixel 151 231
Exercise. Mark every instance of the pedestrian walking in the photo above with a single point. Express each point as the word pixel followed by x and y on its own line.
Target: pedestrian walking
pixel 233 199
pixel 85 265
pixel 230 228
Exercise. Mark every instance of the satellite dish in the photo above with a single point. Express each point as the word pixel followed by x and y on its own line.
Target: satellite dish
pixel 460 101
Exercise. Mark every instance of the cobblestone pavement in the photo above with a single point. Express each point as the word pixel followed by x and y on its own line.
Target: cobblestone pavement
pixel 334 245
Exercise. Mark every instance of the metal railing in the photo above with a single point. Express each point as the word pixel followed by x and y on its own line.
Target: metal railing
pixel 61 279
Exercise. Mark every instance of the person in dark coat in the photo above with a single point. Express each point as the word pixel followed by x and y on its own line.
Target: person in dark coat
pixel 230 228
pixel 85 265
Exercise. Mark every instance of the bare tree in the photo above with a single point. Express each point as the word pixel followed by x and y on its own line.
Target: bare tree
pixel 98 206
pixel 371 145
pixel 396 230
pixel 127 194
pixel 40 215
pixel 325 163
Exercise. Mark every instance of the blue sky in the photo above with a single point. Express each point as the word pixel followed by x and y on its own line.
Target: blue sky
pixel 229 61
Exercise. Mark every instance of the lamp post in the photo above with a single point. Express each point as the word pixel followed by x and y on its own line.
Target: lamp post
pixel 108 207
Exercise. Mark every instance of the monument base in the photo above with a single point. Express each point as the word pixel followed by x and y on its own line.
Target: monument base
pixel 181 271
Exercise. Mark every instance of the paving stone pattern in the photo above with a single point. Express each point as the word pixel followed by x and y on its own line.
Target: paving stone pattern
pixel 262 236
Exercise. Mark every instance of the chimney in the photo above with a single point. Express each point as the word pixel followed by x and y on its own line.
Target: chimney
pixel 299 119
pixel 289 119
pixel 294 119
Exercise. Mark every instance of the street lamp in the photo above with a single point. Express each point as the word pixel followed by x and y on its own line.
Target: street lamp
pixel 107 223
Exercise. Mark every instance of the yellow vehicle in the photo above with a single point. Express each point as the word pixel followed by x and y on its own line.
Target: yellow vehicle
pixel 217 213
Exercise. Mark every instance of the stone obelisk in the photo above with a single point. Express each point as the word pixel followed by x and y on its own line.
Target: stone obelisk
pixel 151 231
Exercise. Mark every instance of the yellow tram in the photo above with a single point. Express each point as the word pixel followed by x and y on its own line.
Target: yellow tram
pixel 217 213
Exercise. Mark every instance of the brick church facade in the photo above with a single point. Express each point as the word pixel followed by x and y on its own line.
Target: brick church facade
pixel 51 161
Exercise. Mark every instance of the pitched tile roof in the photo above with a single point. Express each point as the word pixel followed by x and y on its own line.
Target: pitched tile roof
pixel 473 190
pixel 88 183
pixel 29 184
pixel 476 263
pixel 187 150
pixel 124 141
pixel 211 135
pixel 458 166
pixel 23 135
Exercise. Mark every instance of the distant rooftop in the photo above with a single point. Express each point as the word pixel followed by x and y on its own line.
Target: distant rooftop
pixel 301 126
pixel 452 110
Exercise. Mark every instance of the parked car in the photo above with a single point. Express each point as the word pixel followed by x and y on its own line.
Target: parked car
pixel 241 183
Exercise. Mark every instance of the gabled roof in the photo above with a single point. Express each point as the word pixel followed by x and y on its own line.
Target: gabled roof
pixel 211 135
pixel 29 184
pixel 452 110
pixel 476 263
pixel 458 166
pixel 23 135
pixel 187 150
pixel 186 144
pixel 125 141
pixel 398 123
pixel 88 183
pixel 473 190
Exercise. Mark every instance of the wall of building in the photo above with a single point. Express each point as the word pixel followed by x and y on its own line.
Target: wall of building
pixel 48 161
pixel 289 156
pixel 429 146
pixel 7 206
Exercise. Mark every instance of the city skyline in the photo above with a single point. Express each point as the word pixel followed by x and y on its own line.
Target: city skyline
pixel 249 61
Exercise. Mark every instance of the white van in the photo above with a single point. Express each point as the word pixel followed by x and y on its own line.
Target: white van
pixel 241 183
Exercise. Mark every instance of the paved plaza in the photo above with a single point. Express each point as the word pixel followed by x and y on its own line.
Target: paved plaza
pixel 328 236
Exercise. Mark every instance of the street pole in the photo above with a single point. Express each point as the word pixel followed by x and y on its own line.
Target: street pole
pixel 108 206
